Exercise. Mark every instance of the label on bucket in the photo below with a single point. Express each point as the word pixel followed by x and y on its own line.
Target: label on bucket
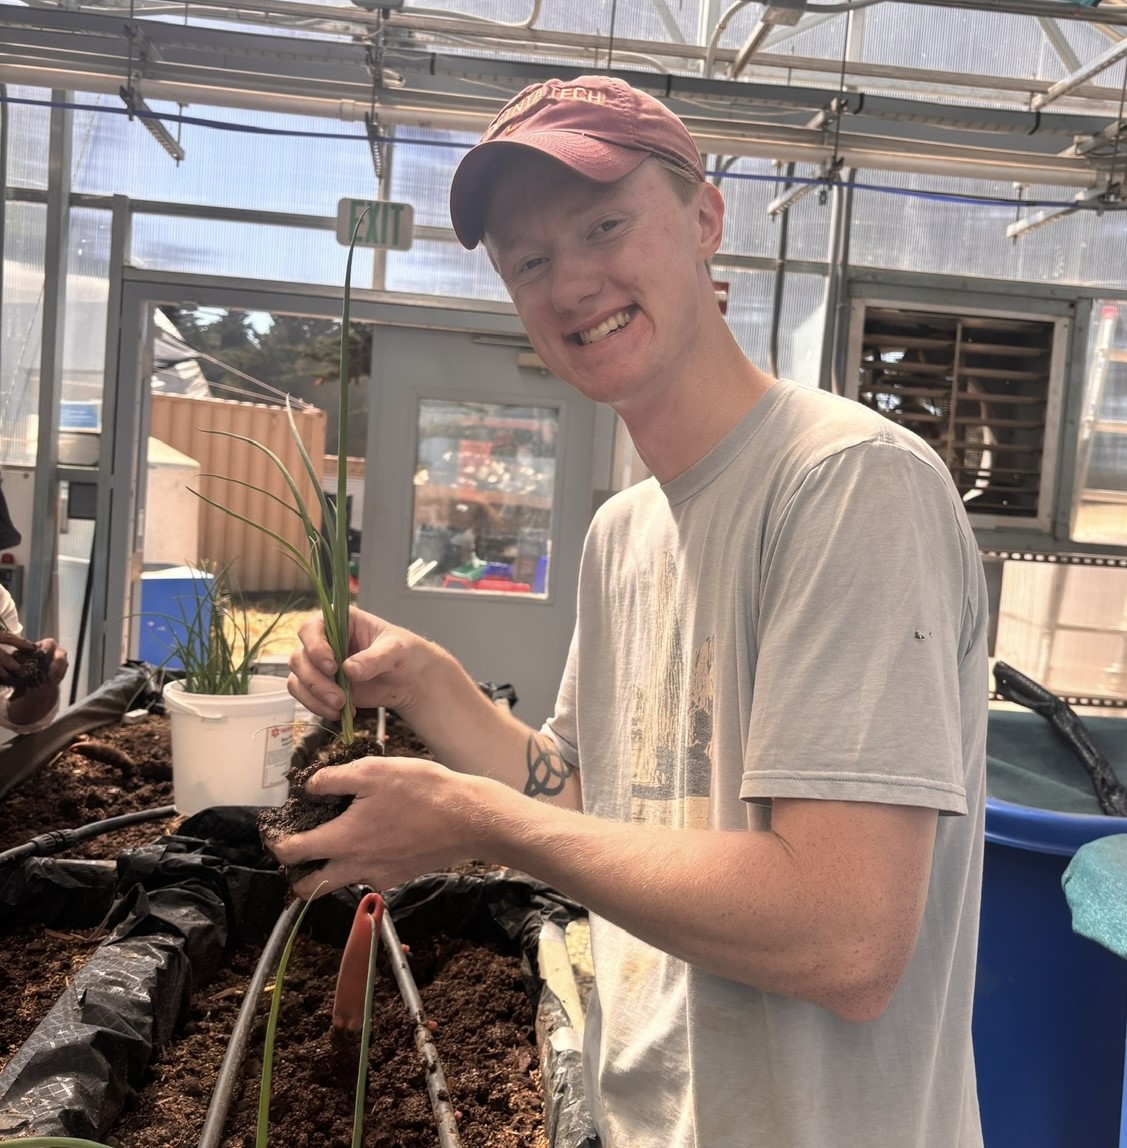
pixel 279 752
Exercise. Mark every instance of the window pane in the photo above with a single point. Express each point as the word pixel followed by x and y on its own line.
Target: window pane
pixel 1099 505
pixel 485 476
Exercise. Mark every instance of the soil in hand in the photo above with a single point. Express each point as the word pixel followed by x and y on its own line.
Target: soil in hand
pixel 302 811
pixel 32 668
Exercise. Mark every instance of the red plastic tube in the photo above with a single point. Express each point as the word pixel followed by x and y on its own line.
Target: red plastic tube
pixel 352 980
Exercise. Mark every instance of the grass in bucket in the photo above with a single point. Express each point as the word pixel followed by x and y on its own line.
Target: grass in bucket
pixel 216 643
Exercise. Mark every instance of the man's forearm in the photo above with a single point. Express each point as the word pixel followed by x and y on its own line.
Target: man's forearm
pixel 468 732
pixel 803 920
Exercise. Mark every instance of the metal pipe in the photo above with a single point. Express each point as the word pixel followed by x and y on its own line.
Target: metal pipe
pixel 717 32
pixel 60 65
pixel 714 137
pixel 1059 43
pixel 40 606
pixel 777 288
pixel 110 578
pixel 841 319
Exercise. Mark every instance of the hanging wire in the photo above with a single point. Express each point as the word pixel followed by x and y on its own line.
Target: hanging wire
pixel 374 59
pixel 610 39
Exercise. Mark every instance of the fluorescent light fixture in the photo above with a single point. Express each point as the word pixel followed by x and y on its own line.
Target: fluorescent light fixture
pixel 1091 200
pixel 137 107
pixel 784 12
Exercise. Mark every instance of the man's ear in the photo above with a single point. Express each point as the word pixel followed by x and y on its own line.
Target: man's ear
pixel 710 215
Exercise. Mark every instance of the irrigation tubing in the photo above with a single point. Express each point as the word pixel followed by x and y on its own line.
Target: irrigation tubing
pixel 231 1068
pixel 56 840
pixel 424 1039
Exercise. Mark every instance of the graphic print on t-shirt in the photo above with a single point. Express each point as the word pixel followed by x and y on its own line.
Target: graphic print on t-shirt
pixel 671 720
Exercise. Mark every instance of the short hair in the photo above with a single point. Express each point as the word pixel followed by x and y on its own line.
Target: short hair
pixel 685 183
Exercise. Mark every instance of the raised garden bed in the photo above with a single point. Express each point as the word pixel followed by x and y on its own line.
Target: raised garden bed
pixel 475 966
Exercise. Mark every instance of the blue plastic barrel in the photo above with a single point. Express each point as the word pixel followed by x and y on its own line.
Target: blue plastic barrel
pixel 1050 1008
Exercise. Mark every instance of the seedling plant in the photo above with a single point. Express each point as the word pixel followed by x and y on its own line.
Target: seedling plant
pixel 325 558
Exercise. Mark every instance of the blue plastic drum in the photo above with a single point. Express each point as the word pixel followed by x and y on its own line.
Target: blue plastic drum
pixel 1050 1012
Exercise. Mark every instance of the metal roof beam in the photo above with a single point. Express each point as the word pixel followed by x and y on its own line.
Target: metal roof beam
pixel 1093 67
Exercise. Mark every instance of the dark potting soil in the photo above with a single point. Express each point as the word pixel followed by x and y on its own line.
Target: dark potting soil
pixel 36 964
pixel 301 812
pixel 116 769
pixel 32 668
pixel 484 1041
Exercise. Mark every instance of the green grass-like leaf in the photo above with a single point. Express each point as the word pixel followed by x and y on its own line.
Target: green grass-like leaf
pixel 365 1036
pixel 262 1132
pixel 325 562
pixel 213 642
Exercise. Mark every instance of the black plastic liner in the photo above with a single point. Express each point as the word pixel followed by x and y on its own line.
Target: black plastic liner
pixel 178 905
pixel 46 891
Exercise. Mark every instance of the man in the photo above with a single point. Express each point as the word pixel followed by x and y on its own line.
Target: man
pixel 765 773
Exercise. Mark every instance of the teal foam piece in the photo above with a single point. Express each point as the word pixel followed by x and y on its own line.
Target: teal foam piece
pixel 1095 887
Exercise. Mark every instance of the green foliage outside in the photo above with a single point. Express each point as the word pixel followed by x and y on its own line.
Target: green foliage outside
pixel 298 356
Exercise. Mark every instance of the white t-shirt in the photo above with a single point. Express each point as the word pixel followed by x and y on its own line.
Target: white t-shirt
pixel 802 613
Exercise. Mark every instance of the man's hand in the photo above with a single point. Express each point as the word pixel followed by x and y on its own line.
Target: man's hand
pixel 407 818
pixel 387 666
pixel 10 663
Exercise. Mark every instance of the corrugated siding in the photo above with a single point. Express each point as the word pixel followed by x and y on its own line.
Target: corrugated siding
pixel 260 564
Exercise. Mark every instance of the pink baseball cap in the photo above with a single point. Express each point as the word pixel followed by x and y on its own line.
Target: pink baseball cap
pixel 599 126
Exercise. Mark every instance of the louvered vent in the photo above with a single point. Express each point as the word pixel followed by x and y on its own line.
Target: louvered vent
pixel 975 388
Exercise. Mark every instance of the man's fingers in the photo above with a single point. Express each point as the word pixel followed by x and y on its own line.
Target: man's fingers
pixel 315 645
pixel 316 702
pixel 339 780
pixel 16 641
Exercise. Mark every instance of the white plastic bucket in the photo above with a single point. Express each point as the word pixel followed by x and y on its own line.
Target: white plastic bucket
pixel 230 749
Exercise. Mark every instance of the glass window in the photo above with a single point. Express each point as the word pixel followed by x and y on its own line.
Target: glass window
pixel 485 477
pixel 1099 503
pixel 1065 625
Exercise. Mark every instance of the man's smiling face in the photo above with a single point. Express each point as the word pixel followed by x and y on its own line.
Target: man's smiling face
pixel 609 279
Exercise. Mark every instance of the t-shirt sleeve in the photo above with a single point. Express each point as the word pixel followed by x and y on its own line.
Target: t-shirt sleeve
pixel 562 725
pixel 863 597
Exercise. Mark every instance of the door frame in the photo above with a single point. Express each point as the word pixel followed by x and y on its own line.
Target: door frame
pixel 141 290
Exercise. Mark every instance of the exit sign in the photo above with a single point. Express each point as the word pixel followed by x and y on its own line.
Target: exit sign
pixel 387 224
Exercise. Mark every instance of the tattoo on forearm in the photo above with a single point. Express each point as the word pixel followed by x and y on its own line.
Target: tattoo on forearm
pixel 547 770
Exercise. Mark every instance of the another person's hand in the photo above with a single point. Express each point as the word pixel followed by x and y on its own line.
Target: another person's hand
pixel 30 704
pixel 9 663
pixel 386 666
